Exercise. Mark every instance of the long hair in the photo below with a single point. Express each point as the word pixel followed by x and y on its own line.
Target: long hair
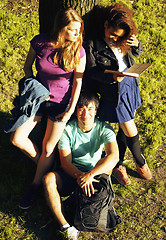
pixel 68 52
pixel 120 16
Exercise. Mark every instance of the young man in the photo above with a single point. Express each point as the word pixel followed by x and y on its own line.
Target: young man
pixel 80 150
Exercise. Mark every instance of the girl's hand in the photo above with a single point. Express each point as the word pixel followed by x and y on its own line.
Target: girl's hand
pixel 117 77
pixel 133 41
pixel 48 98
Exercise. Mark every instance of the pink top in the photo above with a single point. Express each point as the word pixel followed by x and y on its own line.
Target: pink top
pixel 51 75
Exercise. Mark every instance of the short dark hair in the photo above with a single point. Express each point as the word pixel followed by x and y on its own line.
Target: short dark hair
pixel 86 97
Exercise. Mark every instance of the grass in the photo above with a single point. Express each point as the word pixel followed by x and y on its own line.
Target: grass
pixel 140 205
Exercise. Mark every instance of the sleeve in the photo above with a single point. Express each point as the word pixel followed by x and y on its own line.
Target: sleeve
pixel 39 41
pixel 64 142
pixel 108 134
pixel 82 52
pixel 137 51
pixel 34 42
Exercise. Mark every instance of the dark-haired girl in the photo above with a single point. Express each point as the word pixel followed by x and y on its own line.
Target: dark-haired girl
pixel 110 44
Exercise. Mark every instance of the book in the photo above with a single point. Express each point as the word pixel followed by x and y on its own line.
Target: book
pixel 134 71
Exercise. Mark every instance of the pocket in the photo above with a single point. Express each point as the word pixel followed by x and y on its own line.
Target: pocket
pixel 102 60
pixel 112 218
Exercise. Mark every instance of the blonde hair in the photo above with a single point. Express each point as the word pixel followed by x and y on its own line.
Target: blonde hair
pixel 68 52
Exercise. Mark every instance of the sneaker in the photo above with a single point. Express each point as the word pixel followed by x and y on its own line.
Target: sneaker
pixel 71 233
pixel 144 171
pixel 29 197
pixel 121 175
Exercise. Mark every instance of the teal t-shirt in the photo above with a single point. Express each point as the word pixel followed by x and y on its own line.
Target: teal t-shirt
pixel 86 147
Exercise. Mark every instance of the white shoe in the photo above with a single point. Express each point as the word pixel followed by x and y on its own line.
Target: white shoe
pixel 72 233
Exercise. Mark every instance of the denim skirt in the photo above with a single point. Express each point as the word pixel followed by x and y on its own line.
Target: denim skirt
pixel 129 101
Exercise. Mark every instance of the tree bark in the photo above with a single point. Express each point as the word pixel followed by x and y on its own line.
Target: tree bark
pixel 49 8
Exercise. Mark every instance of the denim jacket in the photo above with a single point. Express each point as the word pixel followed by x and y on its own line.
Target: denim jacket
pixel 31 94
pixel 101 57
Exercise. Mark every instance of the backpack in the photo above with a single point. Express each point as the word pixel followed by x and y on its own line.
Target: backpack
pixel 96 213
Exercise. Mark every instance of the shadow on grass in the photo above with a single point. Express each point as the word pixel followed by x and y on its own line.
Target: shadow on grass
pixel 17 171
pixel 133 173
pixel 130 173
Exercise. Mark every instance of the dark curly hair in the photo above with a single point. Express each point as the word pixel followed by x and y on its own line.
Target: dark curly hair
pixel 118 16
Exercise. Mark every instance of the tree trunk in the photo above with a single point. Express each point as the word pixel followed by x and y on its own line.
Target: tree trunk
pixel 49 8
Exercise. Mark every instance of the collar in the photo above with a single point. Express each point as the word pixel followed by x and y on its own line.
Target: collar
pixel 101 46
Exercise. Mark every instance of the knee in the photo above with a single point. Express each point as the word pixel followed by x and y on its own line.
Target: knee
pixel 129 128
pixel 48 149
pixel 18 140
pixel 14 140
pixel 49 179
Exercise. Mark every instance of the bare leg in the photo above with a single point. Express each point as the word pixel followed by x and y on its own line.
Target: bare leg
pixel 129 128
pixel 53 133
pixel 20 138
pixel 52 182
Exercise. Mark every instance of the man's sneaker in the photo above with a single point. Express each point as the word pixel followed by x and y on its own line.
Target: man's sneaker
pixel 144 171
pixel 71 233
pixel 121 175
pixel 29 197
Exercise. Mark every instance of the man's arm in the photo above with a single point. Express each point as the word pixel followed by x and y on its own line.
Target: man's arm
pixel 66 163
pixel 105 165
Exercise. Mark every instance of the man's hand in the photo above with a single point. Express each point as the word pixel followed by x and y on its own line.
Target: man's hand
pixel 85 181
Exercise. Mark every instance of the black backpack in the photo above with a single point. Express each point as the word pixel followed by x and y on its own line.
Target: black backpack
pixel 96 213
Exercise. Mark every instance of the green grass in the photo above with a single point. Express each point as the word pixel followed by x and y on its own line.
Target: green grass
pixel 19 23
pixel 140 205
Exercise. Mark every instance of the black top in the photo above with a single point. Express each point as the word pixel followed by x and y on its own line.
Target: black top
pixel 101 57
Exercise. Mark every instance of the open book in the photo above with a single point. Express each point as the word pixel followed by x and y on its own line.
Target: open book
pixel 134 71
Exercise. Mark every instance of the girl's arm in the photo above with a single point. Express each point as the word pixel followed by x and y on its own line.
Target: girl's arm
pixel 29 62
pixel 77 83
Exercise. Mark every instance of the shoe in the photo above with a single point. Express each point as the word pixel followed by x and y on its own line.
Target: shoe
pixel 71 233
pixel 121 175
pixel 29 197
pixel 144 171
